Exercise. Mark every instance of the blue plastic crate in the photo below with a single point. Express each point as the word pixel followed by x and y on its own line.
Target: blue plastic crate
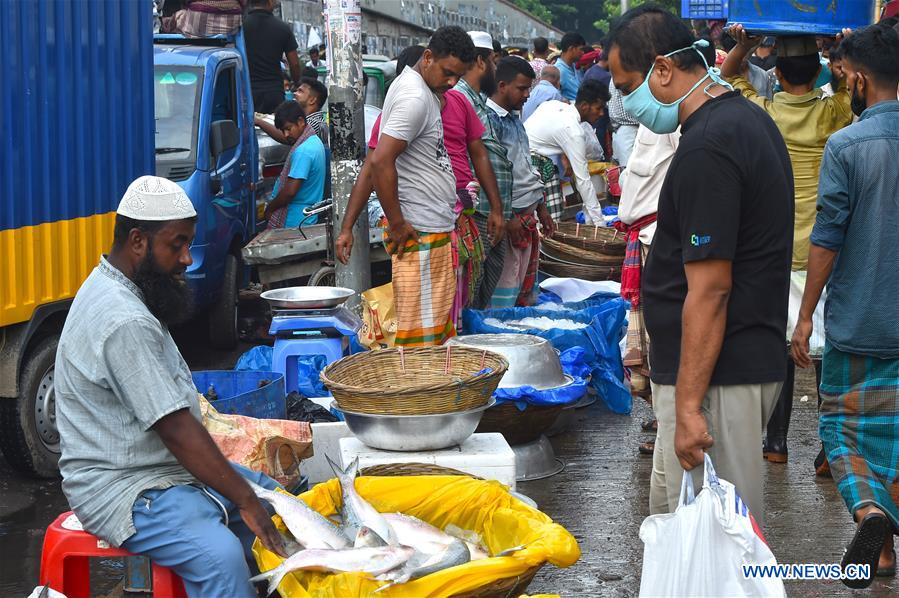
pixel 703 9
pixel 819 17
pixel 239 393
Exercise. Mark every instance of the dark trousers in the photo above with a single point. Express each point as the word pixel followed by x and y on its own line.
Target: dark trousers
pixel 266 100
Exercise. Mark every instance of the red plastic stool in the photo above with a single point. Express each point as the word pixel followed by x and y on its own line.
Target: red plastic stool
pixel 65 565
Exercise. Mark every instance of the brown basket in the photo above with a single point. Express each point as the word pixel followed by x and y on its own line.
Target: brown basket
pixel 582 271
pixel 420 381
pixel 509 586
pixel 593 238
pixel 569 253
pixel 516 426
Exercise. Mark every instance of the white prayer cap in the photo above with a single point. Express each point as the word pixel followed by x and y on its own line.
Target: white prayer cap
pixel 481 39
pixel 153 198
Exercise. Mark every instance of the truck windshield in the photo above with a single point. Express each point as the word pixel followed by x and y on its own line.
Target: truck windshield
pixel 176 91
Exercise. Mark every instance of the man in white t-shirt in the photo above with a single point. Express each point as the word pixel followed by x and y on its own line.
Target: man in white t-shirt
pixel 554 129
pixel 414 181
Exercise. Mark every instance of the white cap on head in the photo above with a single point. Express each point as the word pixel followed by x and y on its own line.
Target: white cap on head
pixel 153 198
pixel 481 39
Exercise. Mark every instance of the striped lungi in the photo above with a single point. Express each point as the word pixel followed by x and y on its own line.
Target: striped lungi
pixel 859 426
pixel 494 259
pixel 424 287
pixel 552 185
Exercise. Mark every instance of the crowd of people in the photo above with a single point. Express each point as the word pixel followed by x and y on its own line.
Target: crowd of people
pixel 747 194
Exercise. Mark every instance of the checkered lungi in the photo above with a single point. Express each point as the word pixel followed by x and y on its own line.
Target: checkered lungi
pixel 859 429
pixel 552 185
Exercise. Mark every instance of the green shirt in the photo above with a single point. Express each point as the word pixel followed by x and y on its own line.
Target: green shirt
pixel 496 152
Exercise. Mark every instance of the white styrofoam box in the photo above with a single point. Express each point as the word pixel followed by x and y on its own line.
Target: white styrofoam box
pixel 325 441
pixel 487 456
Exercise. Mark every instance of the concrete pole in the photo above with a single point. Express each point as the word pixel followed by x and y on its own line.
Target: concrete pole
pixel 624 6
pixel 343 30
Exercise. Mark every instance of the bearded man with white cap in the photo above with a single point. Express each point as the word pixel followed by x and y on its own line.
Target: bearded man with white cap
pixel 139 469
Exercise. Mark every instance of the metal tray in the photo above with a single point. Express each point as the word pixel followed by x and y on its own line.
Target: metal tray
pixel 307 297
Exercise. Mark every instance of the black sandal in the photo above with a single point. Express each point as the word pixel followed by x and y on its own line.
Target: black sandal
pixel 888 571
pixel 865 547
pixel 646 448
pixel 650 425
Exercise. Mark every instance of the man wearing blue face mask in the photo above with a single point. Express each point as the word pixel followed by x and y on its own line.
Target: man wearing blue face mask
pixel 716 281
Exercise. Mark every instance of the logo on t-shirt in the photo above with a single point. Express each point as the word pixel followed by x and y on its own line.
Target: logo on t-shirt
pixel 699 240
pixel 443 160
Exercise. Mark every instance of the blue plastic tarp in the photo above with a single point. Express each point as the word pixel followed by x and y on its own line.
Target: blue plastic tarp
pixel 600 340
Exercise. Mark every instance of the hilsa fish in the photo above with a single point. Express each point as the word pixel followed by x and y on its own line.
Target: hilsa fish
pixel 373 561
pixel 308 526
pixel 355 511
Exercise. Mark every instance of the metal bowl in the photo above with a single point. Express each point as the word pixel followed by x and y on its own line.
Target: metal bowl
pixel 307 297
pixel 536 460
pixel 532 360
pixel 413 432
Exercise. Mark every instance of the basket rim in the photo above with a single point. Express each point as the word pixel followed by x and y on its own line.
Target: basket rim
pixel 500 370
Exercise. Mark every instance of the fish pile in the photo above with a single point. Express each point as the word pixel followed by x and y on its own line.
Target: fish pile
pixel 390 547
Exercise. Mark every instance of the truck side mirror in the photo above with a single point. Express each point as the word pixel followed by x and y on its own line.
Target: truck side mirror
pixel 223 135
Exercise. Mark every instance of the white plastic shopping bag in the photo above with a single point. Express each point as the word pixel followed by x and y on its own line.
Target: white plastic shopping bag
pixel 701 548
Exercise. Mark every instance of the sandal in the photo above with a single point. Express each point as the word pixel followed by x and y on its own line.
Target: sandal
pixel 822 466
pixel 887 571
pixel 865 547
pixel 650 425
pixel 647 448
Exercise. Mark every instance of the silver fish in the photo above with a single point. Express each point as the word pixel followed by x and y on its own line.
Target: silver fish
pixel 434 549
pixel 307 525
pixel 355 512
pixel 374 561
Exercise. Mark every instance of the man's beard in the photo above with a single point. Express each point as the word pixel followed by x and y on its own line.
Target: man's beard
pixel 167 297
pixel 857 104
pixel 488 83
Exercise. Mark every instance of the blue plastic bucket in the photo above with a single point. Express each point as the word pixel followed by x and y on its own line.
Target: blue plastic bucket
pixel 239 393
pixel 821 17
pixel 703 9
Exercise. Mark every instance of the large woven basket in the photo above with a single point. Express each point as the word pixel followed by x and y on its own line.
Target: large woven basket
pixel 593 238
pixel 569 253
pixel 420 381
pixel 508 586
pixel 519 427
pixel 583 271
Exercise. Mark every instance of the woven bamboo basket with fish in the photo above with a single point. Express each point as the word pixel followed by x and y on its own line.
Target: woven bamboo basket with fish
pixel 569 253
pixel 508 586
pixel 592 238
pixel 419 381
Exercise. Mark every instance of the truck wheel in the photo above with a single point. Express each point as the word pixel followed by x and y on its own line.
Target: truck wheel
pixel 325 276
pixel 223 315
pixel 28 434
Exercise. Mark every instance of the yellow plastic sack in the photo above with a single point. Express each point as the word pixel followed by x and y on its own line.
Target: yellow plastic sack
pixel 378 318
pixel 485 507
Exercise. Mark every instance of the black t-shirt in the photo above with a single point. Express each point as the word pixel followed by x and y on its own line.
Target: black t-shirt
pixel 766 63
pixel 728 195
pixel 268 38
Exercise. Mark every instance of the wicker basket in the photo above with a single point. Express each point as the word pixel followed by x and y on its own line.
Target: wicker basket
pixel 592 238
pixel 516 426
pixel 508 586
pixel 583 271
pixel 569 253
pixel 420 381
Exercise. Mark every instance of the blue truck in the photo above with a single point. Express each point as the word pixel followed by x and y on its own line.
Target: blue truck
pixel 90 102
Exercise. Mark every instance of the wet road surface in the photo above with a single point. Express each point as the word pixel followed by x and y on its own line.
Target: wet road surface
pixel 601 497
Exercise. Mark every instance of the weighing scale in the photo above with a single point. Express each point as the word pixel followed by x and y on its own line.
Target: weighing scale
pixel 309 321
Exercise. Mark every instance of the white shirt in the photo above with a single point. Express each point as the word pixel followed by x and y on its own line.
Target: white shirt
pixel 555 128
pixel 321 62
pixel 641 182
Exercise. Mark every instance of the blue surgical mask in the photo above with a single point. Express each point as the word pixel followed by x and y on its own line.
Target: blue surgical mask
pixel 825 76
pixel 662 118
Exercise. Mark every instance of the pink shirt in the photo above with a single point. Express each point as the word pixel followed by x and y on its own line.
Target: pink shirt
pixel 461 126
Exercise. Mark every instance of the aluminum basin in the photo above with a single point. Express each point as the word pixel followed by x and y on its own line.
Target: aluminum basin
pixel 536 460
pixel 532 360
pixel 413 432
pixel 307 297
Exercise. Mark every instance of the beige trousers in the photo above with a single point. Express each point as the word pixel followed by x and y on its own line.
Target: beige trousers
pixel 736 416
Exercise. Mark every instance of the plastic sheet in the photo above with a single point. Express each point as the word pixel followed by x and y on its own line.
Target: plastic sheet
pixel 309 366
pixel 599 340
pixel 572 364
pixel 485 507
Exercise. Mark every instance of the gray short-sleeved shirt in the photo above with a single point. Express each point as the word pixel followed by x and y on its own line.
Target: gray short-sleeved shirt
pixel 118 372
pixel 426 184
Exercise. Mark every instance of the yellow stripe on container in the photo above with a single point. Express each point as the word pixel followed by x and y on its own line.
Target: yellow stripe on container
pixel 48 262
